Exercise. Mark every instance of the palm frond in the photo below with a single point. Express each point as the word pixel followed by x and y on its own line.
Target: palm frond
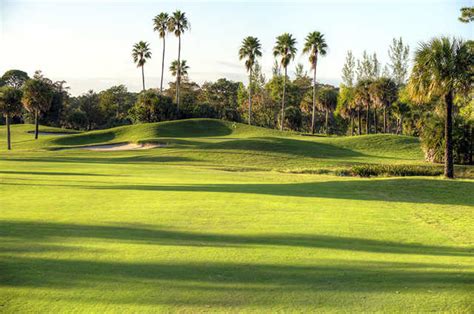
pixel 140 53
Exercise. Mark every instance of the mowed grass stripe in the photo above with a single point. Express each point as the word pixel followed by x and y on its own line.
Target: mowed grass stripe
pixel 181 228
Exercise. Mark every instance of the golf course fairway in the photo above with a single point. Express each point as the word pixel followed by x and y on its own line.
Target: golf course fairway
pixel 225 217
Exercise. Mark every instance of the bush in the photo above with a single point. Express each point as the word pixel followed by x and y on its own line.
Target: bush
pixel 152 107
pixel 395 170
pixel 432 140
pixel 293 118
pixel 205 111
pixel 77 120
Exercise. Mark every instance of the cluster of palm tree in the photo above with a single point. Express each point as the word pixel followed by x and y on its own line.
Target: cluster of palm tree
pixel 443 70
pixel 369 95
pixel 285 50
pixel 35 95
pixel 177 23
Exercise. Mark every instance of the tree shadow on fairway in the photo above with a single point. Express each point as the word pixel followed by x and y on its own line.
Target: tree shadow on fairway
pixel 94 159
pixel 42 232
pixel 103 278
pixel 84 139
pixel 408 190
pixel 54 173
pixel 225 283
pixel 285 146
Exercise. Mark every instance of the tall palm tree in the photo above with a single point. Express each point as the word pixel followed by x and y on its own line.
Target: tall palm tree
pixel 179 67
pixel 346 104
pixel 10 105
pixel 160 25
pixel 362 98
pixel 37 98
pixel 314 45
pixel 383 93
pixel 399 110
pixel 286 50
pixel 250 50
pixel 443 68
pixel 327 101
pixel 178 24
pixel 358 107
pixel 140 53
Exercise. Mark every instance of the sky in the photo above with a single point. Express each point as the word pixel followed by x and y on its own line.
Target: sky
pixel 89 43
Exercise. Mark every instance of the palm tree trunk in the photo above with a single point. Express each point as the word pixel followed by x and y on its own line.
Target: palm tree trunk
pixel 313 117
pixel 359 123
pixel 283 101
pixel 327 123
pixel 401 124
pixel 375 119
pixel 367 121
pixel 352 125
pixel 384 119
pixel 7 122
pixel 143 77
pixel 250 97
pixel 162 65
pixel 448 151
pixel 178 77
pixel 36 124
pixel 471 145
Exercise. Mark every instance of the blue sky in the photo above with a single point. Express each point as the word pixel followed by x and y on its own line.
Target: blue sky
pixel 88 43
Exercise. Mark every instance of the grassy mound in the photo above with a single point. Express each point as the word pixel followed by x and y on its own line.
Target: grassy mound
pixel 149 132
pixel 222 135
pixel 227 145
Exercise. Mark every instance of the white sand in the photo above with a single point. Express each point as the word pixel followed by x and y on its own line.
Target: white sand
pixel 120 146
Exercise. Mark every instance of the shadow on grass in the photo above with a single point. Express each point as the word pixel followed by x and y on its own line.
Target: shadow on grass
pixel 285 146
pixel 105 281
pixel 44 232
pixel 213 283
pixel 138 159
pixel 48 173
pixel 410 190
pixel 262 145
pixel 405 190
pixel 85 138
pixel 184 128
pixel 193 128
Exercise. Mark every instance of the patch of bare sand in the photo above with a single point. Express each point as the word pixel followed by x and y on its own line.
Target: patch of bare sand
pixel 121 146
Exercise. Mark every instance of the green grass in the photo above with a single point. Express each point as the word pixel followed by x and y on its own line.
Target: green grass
pixel 214 143
pixel 218 220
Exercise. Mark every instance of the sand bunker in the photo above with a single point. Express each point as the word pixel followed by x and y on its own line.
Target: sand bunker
pixel 121 146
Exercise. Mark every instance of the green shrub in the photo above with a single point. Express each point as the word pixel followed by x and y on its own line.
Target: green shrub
pixel 395 170
pixel 433 142
pixel 344 172
pixel 307 171
pixel 151 106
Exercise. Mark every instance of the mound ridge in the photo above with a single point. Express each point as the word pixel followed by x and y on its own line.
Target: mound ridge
pixel 226 144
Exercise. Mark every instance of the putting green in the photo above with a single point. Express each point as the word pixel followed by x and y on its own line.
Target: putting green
pixel 216 221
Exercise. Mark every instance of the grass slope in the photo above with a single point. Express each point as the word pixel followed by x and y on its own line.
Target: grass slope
pixel 207 142
pixel 167 230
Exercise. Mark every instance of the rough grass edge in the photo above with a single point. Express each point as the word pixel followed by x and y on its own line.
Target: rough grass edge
pixel 374 170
